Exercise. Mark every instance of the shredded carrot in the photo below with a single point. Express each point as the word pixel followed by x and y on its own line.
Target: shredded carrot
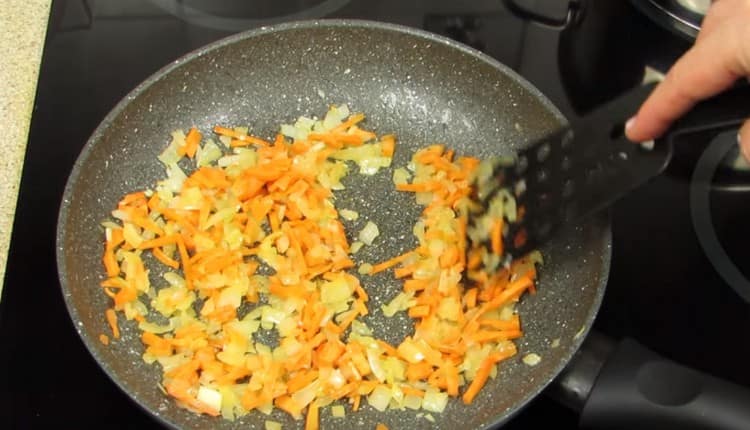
pixel 311 421
pixel 388 145
pixel 240 139
pixel 192 141
pixel 381 426
pixel 389 263
pixel 165 259
pixel 104 339
pixel 112 320
pixel 496 236
pixel 158 242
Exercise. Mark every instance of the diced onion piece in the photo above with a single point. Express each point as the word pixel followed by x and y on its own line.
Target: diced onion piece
pixel 379 398
pixel 336 290
pixel 364 268
pixel 132 235
pixel 555 343
pixel 169 155
pixel 355 246
pixel 412 402
pixel 306 395
pixel 209 397
pixel 579 333
pixel 401 176
pixel 154 328
pixel 272 425
pixel 348 214
pixel 338 411
pixel 531 359
pixel 174 181
pixel 434 400
pixel 369 233
pixel 207 154
pixel 373 359
pixel 401 302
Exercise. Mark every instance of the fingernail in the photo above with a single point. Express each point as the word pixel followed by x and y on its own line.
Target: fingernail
pixel 630 123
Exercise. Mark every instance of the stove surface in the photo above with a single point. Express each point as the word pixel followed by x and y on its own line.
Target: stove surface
pixel 664 290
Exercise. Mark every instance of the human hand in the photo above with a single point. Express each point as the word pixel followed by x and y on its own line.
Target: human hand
pixel 719 57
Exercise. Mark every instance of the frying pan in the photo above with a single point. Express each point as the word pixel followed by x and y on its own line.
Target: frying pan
pixel 422 87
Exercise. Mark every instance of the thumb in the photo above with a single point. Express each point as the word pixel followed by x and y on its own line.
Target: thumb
pixel 743 138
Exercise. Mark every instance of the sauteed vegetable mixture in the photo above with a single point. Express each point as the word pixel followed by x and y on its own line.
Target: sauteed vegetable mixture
pixel 238 272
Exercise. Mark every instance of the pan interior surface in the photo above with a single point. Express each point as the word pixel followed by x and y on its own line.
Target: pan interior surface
pixel 423 88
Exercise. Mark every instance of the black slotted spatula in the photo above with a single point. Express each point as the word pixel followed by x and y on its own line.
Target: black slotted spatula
pixel 582 168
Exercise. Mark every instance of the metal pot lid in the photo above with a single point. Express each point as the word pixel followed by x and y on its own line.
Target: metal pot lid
pixel 682 17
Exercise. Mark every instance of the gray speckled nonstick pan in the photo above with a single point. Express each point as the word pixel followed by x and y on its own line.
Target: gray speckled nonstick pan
pixel 420 86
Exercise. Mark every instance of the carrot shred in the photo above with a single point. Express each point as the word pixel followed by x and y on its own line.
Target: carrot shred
pixel 388 145
pixel 112 321
pixel 161 256
pixel 158 242
pixel 390 263
pixel 240 139
pixel 192 140
pixel 312 420
pixel 496 236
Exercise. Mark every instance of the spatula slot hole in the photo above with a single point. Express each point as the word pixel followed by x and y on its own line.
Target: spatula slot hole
pixel 543 152
pixel 567 139
pixel 565 163
pixel 541 176
pixel 568 188
pixel 521 165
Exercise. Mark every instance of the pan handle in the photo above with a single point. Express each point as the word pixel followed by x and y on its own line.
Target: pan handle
pixel 637 388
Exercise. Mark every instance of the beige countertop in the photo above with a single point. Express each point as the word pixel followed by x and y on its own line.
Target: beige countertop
pixel 23 26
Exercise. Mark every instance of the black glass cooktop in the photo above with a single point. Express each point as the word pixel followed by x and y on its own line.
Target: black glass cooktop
pixel 665 289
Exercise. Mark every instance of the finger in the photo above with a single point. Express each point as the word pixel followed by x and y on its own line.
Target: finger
pixel 717 14
pixel 744 139
pixel 705 70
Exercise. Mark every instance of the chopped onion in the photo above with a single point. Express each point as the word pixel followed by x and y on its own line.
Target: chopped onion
pixel 369 233
pixel 207 154
pixel 338 411
pixel 412 402
pixel 355 247
pixel 336 290
pixel 348 214
pixel 209 397
pixel 401 302
pixel 401 176
pixel 373 358
pixel 434 400
pixel 132 235
pixel 306 395
pixel 169 156
pixel 175 178
pixel 364 268
pixel 379 398
pixel 272 425
pixel 531 359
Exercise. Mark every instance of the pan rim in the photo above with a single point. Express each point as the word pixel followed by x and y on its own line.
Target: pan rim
pixel 160 74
